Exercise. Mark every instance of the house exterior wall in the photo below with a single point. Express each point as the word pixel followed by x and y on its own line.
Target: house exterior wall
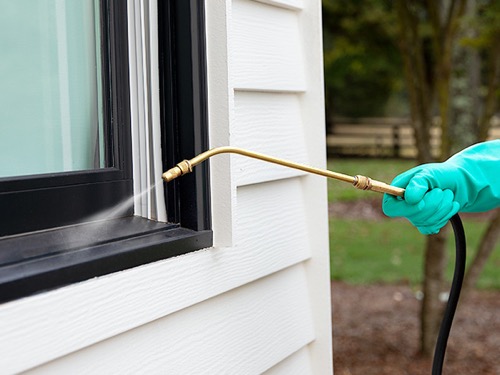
pixel 259 300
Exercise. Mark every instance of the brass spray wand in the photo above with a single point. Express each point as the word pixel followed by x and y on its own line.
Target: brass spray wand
pixel 360 182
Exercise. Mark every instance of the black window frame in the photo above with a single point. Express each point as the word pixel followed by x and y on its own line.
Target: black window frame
pixel 183 90
pixel 40 213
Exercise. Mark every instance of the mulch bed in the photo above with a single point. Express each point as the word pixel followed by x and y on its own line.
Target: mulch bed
pixel 376 331
pixel 376 327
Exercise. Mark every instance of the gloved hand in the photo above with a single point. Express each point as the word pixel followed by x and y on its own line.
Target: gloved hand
pixel 467 182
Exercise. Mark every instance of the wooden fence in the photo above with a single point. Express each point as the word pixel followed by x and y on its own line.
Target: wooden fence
pixel 383 137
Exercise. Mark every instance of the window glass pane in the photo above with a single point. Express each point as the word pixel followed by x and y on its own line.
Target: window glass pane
pixel 50 87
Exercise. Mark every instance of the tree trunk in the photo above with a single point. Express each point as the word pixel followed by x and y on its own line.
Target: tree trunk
pixel 421 98
pixel 422 90
pixel 419 92
pixel 432 308
pixel 465 86
pixel 443 89
pixel 491 100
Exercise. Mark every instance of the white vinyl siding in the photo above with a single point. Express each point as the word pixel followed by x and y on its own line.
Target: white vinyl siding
pixel 299 363
pixel 243 331
pixel 268 50
pixel 269 123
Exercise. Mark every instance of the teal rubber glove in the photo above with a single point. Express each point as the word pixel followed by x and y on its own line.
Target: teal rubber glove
pixel 467 182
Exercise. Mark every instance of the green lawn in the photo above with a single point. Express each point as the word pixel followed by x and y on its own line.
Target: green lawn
pixel 387 251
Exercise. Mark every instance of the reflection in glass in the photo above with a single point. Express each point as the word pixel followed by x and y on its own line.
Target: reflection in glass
pixel 50 87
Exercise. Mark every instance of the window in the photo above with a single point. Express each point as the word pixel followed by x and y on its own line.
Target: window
pixel 69 144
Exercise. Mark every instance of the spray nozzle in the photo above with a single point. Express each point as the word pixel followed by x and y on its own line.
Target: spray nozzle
pixel 180 169
pixel 360 182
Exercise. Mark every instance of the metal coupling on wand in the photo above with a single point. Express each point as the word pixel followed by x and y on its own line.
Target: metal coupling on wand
pixel 358 181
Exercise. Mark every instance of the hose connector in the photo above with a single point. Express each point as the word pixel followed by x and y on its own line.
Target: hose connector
pixel 366 183
pixel 362 182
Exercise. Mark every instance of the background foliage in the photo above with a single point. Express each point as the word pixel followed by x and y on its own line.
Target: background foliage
pixel 363 68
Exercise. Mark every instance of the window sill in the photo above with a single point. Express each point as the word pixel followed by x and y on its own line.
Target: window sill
pixel 40 261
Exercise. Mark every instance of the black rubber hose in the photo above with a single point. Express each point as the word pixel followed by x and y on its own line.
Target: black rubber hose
pixel 456 287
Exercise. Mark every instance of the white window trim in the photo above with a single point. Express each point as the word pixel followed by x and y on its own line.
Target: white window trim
pixel 149 201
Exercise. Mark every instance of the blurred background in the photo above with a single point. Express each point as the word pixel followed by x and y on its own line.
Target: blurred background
pixel 408 83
